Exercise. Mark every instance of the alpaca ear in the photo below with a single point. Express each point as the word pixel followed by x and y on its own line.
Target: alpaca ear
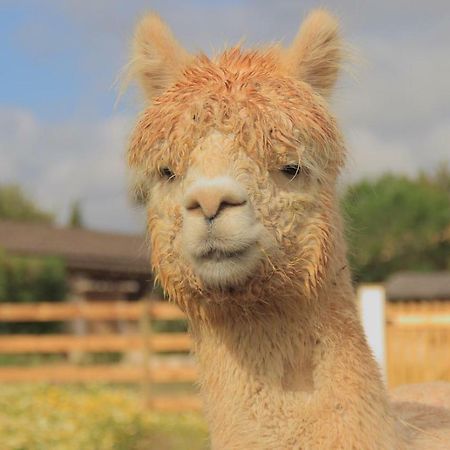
pixel 157 58
pixel 315 54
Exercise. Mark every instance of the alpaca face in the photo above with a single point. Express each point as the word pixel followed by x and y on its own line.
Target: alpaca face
pixel 222 237
pixel 238 160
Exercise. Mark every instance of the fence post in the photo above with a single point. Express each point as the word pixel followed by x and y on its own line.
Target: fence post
pixel 79 328
pixel 372 300
pixel 146 333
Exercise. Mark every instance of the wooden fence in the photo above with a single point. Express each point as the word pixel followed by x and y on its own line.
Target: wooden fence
pixel 417 345
pixel 417 341
pixel 150 371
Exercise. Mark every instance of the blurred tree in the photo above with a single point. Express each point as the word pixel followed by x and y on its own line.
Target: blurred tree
pixel 15 205
pixel 76 216
pixel 396 223
pixel 440 178
pixel 25 280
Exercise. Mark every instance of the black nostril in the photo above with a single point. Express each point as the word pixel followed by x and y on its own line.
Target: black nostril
pixel 222 206
pixel 227 204
pixel 209 219
pixel 194 204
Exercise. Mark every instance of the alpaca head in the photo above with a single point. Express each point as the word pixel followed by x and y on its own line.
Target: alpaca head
pixel 238 157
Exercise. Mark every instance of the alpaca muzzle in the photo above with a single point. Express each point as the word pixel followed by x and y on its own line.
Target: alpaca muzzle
pixel 220 232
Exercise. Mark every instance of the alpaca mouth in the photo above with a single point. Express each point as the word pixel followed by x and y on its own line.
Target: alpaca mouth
pixel 216 254
pixel 226 267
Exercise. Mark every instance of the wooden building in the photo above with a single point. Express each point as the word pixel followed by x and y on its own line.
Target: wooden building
pixel 417 286
pixel 418 327
pixel 100 265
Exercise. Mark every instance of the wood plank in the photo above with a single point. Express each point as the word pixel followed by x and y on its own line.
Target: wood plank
pixel 165 311
pixel 175 342
pixel 418 341
pixel 176 403
pixel 173 374
pixel 93 310
pixel 71 374
pixel 98 373
pixel 45 312
pixel 158 342
pixel 421 320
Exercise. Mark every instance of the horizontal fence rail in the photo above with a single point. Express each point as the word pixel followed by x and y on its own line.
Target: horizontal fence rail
pixel 68 373
pixel 108 310
pixel 424 320
pixel 151 370
pixel 160 342
pixel 417 345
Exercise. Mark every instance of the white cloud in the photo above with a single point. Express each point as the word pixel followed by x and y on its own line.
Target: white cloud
pixel 60 163
pixel 370 155
pixel 396 117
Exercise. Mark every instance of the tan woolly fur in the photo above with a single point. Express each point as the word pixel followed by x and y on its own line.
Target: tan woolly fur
pixel 237 157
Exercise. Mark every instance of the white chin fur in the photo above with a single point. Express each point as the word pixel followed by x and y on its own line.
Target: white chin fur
pixel 226 272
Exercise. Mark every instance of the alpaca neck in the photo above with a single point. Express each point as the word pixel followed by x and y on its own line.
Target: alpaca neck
pixel 295 376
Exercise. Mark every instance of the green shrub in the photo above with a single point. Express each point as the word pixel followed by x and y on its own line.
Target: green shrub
pixel 397 223
pixel 29 280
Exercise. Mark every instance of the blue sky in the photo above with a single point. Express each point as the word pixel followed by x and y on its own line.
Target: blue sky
pixel 47 69
pixel 62 138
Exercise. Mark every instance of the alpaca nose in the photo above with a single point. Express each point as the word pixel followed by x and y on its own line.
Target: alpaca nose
pixel 211 196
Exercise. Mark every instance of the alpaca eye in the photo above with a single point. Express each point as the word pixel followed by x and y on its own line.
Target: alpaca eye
pixel 291 170
pixel 167 173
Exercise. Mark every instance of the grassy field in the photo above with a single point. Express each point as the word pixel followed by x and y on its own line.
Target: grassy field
pixel 46 417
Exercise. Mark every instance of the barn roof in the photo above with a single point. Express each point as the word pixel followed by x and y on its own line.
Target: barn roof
pixel 418 286
pixel 80 249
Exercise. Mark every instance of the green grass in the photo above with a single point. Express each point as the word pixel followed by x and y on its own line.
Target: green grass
pixel 35 359
pixel 94 417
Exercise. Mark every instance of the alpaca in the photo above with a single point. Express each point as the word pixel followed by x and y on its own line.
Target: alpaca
pixel 238 157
